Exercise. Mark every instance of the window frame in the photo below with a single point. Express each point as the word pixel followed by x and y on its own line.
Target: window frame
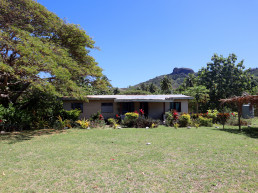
pixel 173 106
pixel 77 105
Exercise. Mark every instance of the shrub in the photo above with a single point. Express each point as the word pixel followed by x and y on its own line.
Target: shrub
pixel 205 121
pixel 195 116
pixel 62 124
pixel 223 117
pixel 100 123
pixel 184 120
pixel 97 120
pixel 130 119
pixel 96 116
pixel 212 114
pixel 143 123
pixel 131 116
pixel 84 124
pixel 112 122
pixel 195 123
pixel 72 115
pixel 171 118
pixel 118 118
pixel 176 125
pixel 14 118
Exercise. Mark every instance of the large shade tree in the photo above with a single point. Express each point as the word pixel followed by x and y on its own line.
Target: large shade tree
pixel 224 78
pixel 35 43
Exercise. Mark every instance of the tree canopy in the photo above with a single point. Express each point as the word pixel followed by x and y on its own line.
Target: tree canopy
pixel 35 42
pixel 166 85
pixel 224 78
pixel 200 94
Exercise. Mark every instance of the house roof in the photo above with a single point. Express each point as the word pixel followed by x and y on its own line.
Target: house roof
pixel 137 98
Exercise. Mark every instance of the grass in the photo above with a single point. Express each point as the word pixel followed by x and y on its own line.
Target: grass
pixel 177 160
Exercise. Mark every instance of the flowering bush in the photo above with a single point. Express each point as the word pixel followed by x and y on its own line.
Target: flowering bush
pixel 83 123
pixel 96 116
pixel 118 118
pixel 204 121
pixel 130 119
pixel 62 124
pixel 212 114
pixel 112 122
pixel 223 117
pixel 175 115
pixel 131 116
pixel 184 120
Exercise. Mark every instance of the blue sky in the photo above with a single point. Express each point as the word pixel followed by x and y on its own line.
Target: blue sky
pixel 142 39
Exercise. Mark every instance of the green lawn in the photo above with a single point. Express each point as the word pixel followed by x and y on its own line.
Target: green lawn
pixel 177 160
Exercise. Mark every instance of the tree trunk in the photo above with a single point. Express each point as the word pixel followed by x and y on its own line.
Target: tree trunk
pixel 239 115
pixel 197 108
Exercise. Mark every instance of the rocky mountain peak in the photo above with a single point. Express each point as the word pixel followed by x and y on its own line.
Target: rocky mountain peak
pixel 182 71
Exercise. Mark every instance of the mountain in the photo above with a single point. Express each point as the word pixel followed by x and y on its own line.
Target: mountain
pixel 178 75
pixel 254 72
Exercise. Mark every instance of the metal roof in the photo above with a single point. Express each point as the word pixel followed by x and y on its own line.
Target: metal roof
pixel 139 98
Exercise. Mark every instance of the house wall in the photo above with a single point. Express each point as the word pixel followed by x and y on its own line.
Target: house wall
pixel 95 105
pixel 92 107
pixel 156 109
pixel 184 106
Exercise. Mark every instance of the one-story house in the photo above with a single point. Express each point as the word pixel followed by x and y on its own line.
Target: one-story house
pixel 154 106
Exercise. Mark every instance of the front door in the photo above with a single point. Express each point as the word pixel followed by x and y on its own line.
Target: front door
pixel 145 106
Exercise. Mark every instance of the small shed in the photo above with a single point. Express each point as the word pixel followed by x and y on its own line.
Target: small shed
pixel 247 111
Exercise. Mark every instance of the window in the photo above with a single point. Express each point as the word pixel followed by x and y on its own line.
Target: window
pixel 106 107
pixel 127 107
pixel 175 106
pixel 77 106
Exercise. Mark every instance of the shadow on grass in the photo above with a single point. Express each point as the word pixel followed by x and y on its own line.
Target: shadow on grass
pixel 15 137
pixel 248 131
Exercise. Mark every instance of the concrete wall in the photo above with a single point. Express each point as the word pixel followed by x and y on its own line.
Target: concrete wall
pixel 156 110
pixel 92 107
pixel 184 105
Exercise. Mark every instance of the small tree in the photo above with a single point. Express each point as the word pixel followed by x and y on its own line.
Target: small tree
pixel 153 88
pixel 200 94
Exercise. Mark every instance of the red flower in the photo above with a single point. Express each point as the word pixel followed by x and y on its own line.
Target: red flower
pixel 141 111
pixel 101 117
pixel 112 159
pixel 1 121
pixel 136 112
pixel 175 115
pixel 117 116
